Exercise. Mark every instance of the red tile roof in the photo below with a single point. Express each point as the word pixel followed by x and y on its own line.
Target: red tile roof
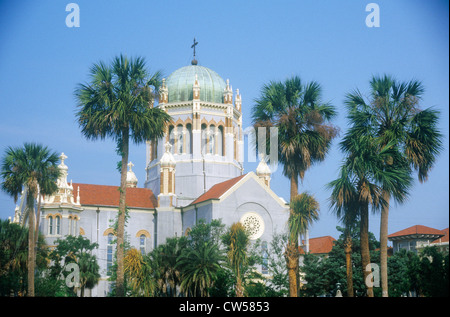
pixel 104 195
pixel 442 239
pixel 418 229
pixel 320 245
pixel 218 190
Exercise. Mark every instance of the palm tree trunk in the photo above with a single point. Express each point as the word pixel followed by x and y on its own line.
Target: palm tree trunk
pixel 30 262
pixel 239 290
pixel 348 264
pixel 120 287
pixel 365 253
pixel 36 232
pixel 383 244
pixel 294 186
pixel 292 256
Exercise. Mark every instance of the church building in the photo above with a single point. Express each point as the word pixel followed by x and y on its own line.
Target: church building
pixel 195 171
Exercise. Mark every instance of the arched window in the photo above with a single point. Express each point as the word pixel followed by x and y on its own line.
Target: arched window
pixel 204 138
pixel 212 139
pixel 74 226
pixel 109 254
pixel 50 225
pixel 142 243
pixel 180 139
pixel 70 225
pixel 172 137
pixel 188 138
pixel 58 224
pixel 220 141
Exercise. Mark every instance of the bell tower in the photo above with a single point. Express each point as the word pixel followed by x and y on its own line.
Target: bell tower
pixel 205 134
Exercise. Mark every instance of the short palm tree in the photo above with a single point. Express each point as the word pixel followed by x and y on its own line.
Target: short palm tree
pixel 169 254
pixel 139 273
pixel 303 123
pixel 344 203
pixel 393 113
pixel 199 268
pixel 89 271
pixel 304 211
pixel 31 168
pixel 236 241
pixel 118 104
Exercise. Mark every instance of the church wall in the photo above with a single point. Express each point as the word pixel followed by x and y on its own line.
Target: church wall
pixel 193 214
pixel 252 197
pixel 95 226
pixel 169 224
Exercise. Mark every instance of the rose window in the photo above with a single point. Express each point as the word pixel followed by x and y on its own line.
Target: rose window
pixel 254 225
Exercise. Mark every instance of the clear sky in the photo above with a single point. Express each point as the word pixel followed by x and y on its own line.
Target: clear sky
pixel 251 43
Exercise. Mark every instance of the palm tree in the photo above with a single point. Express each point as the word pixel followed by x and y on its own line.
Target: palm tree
pixel 89 271
pixel 139 272
pixel 365 167
pixel 200 268
pixel 304 211
pixel 237 240
pixel 118 104
pixel 396 118
pixel 302 119
pixel 344 203
pixel 31 168
pixel 169 254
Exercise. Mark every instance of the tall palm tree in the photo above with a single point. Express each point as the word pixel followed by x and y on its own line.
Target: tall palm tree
pixel 237 240
pixel 394 113
pixel 303 122
pixel 31 168
pixel 304 211
pixel 366 168
pixel 118 104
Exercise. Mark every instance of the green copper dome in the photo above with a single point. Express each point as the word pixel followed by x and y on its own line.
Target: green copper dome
pixel 181 81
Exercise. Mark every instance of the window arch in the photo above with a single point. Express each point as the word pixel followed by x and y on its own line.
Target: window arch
pixel 212 139
pixel 142 243
pixel 179 137
pixel 50 225
pixel 58 224
pixel 204 139
pixel 109 253
pixel 220 141
pixel 188 138
pixel 172 137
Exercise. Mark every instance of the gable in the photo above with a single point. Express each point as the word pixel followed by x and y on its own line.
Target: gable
pixel 223 190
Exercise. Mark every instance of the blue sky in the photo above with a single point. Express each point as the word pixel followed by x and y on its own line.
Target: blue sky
pixel 249 42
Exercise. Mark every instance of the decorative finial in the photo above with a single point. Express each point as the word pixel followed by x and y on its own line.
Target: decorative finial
pixel 168 147
pixel 62 157
pixel 194 61
pixel 130 165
